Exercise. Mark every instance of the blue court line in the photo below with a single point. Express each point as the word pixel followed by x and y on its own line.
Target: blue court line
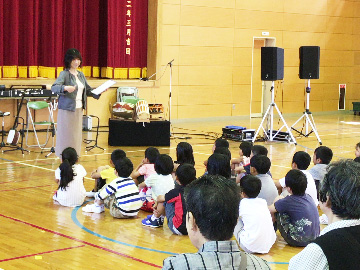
pixel 6 159
pixel 76 221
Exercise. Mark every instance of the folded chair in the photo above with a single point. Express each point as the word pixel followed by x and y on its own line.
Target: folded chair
pixel 35 107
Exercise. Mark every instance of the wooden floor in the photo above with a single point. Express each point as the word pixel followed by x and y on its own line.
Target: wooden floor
pixel 37 234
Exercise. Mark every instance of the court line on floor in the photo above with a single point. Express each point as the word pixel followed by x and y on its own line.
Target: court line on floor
pixel 77 222
pixel 80 241
pixel 37 254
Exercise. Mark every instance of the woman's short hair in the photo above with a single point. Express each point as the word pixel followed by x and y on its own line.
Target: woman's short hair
pixel 341 185
pixel 70 55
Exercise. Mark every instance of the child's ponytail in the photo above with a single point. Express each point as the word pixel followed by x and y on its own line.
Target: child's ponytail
pixel 69 158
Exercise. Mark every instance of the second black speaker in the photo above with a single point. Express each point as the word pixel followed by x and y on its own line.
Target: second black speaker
pixel 309 62
pixel 272 63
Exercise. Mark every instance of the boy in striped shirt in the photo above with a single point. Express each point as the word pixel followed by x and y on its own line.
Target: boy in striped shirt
pixel 121 196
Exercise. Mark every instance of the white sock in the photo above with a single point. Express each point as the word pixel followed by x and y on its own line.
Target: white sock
pixel 153 218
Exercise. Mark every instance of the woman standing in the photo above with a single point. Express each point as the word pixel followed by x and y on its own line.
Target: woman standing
pixel 72 88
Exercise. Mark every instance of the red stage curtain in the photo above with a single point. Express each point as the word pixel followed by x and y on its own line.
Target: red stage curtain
pixel 38 32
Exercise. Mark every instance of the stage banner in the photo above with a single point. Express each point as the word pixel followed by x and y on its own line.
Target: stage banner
pixel 110 34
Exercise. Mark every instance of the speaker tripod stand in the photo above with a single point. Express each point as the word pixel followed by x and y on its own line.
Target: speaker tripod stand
pixel 309 120
pixel 270 114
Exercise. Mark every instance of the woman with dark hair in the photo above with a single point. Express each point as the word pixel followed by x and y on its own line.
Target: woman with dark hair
pixel 72 88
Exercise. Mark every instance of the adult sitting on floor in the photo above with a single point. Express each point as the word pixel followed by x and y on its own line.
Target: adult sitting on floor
pixel 212 203
pixel 338 246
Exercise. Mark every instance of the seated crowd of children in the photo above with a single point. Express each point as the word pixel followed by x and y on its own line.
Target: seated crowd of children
pixel 157 185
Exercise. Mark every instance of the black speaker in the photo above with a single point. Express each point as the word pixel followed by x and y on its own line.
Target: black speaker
pixel 272 63
pixel 309 62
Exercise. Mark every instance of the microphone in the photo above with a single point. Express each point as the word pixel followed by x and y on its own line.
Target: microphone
pixel 171 62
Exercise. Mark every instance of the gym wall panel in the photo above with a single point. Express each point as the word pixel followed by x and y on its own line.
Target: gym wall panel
pixel 170 35
pixel 257 93
pixel 340 25
pixel 263 5
pixel 207 16
pixel 340 8
pixel 206 36
pixel 241 93
pixel 211 42
pixel 203 111
pixel 305 7
pixel 171 1
pixel 168 53
pixel 195 94
pixel 304 23
pixel 165 79
pixel 241 75
pixel 355 8
pixel 356 42
pixel 330 90
pixel 209 3
pixel 356 26
pixel 330 58
pixel 292 107
pixel 337 74
pixel 294 93
pixel 206 56
pixel 262 20
pixel 291 58
pixel 355 73
pixel 205 75
pixel 298 39
pixel 242 108
pixel 242 57
pixel 316 106
pixel 171 14
pixel 329 105
pixel 256 107
pixel 339 42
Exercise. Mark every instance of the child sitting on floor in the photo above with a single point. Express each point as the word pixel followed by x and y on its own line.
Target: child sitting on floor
pixel 219 164
pixel 146 167
pixel 160 183
pixel 70 177
pixel 219 142
pixel 296 215
pixel 172 204
pixel 121 196
pixel 301 161
pixel 105 173
pixel 321 159
pixel 259 166
pixel 244 156
pixel 254 230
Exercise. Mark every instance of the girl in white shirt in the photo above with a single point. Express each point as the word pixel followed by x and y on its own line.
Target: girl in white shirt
pixel 70 177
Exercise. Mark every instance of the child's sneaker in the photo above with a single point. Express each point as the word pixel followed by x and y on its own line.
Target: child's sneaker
pixel 93 208
pixel 90 194
pixel 151 223
pixel 161 219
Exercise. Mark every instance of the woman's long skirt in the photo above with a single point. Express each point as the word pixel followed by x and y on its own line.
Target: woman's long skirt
pixel 69 131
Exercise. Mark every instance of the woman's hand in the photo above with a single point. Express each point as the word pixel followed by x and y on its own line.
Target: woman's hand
pixel 69 88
